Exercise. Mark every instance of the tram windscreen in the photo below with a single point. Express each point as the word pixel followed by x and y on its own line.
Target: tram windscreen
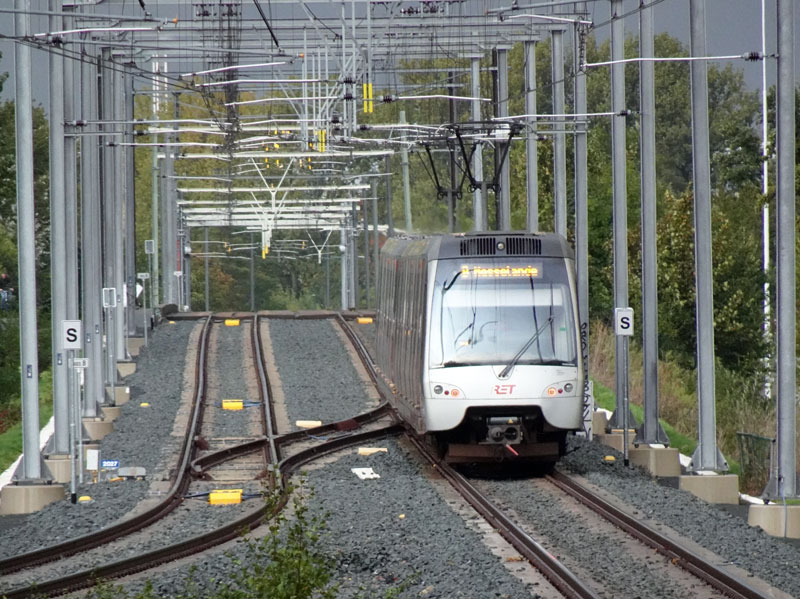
pixel 491 311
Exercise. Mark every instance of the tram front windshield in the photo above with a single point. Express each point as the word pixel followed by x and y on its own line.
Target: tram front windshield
pixel 495 311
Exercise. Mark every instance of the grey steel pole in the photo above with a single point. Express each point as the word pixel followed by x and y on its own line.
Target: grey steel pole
pixel 108 183
pixel 130 204
pixel 650 431
pixel 119 200
pixel 367 282
pixel 71 231
pixel 186 249
pixel 619 192
pixel 26 246
pixel 706 456
pixel 787 383
pixel 582 223
pixel 205 269
pixel 168 226
pixel 155 210
pixel 58 233
pixel 406 184
pixel 451 191
pixel 375 240
pixel 327 281
pixel 559 137
pixel 73 421
pixel 144 308
pixel 71 188
pixel 252 276
pixel 389 199
pixel 344 276
pixel 353 244
pixel 479 217
pixel 90 240
pixel 504 218
pixel 531 147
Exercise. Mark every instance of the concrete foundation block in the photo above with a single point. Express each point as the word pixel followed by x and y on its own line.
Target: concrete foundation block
pixel 714 488
pixel 60 467
pixel 599 422
pixel 26 499
pixel 615 440
pixel 111 413
pixel 135 345
pixel 125 368
pixel 121 395
pixel 658 461
pixel 97 428
pixel 776 520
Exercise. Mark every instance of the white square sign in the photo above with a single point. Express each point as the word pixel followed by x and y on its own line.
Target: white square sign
pixel 71 334
pixel 623 321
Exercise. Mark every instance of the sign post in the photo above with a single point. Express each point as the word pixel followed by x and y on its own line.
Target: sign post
pixel 179 282
pixel 109 304
pixel 144 276
pixel 149 249
pixel 623 327
pixel 79 365
pixel 71 339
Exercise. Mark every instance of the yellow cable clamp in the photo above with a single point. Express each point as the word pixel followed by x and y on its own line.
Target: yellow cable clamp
pixel 225 496
pixel 232 404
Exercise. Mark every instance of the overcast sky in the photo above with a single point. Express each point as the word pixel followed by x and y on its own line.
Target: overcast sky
pixel 732 26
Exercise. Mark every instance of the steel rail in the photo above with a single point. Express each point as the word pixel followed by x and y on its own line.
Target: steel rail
pixel 564 580
pixel 726 583
pixel 249 521
pixel 211 460
pixel 125 527
pixel 265 394
pixel 194 545
pixel 558 574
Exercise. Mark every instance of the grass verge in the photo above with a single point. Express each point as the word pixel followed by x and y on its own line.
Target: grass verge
pixel 605 398
pixel 11 440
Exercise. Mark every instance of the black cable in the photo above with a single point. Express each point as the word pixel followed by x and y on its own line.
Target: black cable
pixel 266 22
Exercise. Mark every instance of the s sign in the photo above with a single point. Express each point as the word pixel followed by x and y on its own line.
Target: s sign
pixel 503 389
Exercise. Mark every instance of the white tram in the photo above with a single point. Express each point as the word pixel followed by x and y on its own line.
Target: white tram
pixel 478 336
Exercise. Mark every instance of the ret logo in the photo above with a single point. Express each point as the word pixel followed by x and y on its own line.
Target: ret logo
pixel 503 389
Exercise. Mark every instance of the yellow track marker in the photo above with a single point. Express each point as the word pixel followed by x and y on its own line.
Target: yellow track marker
pixel 231 322
pixel 371 450
pixel 232 404
pixel 225 496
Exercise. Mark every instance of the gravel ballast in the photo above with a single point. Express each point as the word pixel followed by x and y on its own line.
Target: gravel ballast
pixel 317 374
pixel 158 380
pixel 772 559
pixel 429 551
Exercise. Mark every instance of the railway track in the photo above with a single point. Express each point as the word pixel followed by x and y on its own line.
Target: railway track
pixel 565 581
pixel 279 470
pixel 115 531
pixel 285 454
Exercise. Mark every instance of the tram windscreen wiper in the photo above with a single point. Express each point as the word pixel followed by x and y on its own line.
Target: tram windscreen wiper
pixel 525 347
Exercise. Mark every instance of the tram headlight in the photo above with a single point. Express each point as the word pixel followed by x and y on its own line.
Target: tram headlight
pixel 565 388
pixel 445 391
